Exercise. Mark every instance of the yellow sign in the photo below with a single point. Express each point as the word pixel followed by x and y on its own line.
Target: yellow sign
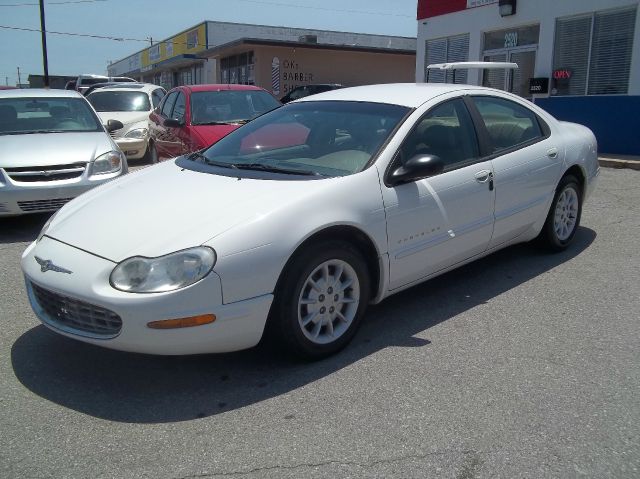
pixel 185 43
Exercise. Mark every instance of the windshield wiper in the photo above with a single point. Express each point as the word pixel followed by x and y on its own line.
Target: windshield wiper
pixel 196 155
pixel 226 122
pixel 275 169
pixel 214 123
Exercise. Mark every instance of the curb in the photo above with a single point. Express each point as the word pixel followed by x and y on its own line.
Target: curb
pixel 613 163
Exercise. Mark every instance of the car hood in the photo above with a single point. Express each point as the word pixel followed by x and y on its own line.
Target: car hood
pixel 45 149
pixel 164 208
pixel 209 134
pixel 126 117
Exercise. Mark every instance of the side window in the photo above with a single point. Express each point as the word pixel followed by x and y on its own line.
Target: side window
pixel 167 106
pixel 445 131
pixel 156 97
pixel 179 108
pixel 508 123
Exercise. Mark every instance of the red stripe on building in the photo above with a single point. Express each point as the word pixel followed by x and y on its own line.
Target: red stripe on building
pixel 433 8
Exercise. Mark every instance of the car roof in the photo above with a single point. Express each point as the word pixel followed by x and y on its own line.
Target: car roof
pixel 406 94
pixel 221 87
pixel 40 93
pixel 145 87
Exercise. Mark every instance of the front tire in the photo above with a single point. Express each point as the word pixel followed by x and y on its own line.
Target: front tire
pixel 564 215
pixel 151 155
pixel 320 301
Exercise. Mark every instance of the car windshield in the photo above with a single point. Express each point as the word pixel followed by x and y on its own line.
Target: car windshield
pixel 229 106
pixel 328 138
pixel 26 115
pixel 120 101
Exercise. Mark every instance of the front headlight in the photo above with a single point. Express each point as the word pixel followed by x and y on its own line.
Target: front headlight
pixel 166 273
pixel 110 162
pixel 138 133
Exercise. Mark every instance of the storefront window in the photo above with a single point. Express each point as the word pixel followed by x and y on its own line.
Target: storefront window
pixel 238 69
pixel 592 54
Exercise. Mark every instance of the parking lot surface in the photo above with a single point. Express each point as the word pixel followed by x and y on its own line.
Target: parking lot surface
pixel 522 364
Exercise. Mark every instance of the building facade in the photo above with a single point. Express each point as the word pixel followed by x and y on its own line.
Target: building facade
pixel 579 59
pixel 275 58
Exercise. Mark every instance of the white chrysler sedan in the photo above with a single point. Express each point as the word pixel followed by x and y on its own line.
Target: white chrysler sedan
pixel 292 224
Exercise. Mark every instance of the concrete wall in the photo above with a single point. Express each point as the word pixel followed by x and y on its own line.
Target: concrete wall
pixel 219 33
pixel 613 119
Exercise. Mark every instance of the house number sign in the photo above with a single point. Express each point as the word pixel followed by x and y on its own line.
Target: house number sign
pixel 511 39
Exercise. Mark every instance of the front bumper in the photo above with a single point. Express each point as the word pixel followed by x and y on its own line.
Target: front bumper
pixel 133 148
pixel 18 198
pixel 237 326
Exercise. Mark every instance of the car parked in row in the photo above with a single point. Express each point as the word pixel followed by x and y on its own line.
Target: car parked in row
pixel 53 147
pixel 381 188
pixel 193 117
pixel 86 80
pixel 131 104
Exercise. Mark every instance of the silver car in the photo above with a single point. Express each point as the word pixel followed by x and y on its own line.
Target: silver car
pixel 53 147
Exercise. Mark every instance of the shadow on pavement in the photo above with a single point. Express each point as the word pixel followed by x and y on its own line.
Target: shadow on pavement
pixel 25 228
pixel 137 388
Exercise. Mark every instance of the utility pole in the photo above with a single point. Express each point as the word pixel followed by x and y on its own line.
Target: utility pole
pixel 19 80
pixel 44 45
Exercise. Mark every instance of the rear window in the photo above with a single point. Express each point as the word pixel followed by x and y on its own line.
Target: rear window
pixel 119 101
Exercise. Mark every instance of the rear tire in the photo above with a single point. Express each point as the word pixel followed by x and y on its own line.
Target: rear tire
pixel 320 300
pixel 564 215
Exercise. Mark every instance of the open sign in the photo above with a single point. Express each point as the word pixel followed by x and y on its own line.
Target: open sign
pixel 562 74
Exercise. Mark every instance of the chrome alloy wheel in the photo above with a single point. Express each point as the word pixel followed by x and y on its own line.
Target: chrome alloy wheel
pixel 328 301
pixel 566 214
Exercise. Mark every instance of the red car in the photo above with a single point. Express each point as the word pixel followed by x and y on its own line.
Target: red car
pixel 192 117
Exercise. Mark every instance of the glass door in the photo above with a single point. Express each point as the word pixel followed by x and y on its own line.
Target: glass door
pixel 520 77
pixel 514 81
pixel 495 78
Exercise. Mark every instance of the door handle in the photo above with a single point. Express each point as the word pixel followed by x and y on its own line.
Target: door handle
pixel 552 153
pixel 482 176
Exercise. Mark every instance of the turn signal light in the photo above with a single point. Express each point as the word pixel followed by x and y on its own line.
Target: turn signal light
pixel 182 322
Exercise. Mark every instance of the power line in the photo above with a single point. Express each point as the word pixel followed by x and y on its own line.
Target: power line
pixel 102 37
pixel 49 3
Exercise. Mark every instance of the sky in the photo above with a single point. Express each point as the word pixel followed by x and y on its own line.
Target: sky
pixel 138 20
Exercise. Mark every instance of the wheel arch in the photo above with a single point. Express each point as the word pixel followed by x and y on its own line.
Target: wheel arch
pixel 577 171
pixel 349 234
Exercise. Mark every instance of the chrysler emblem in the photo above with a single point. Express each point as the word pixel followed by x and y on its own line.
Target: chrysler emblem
pixel 47 265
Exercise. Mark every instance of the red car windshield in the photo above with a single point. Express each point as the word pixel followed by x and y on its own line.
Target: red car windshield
pixel 229 106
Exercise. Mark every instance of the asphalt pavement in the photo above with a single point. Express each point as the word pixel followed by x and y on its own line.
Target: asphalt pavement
pixel 522 364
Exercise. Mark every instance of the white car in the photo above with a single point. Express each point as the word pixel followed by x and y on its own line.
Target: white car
pixel 129 103
pixel 53 148
pixel 295 222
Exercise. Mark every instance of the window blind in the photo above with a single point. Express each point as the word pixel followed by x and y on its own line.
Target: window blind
pixel 611 52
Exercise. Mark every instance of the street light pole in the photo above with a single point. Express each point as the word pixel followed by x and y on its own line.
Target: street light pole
pixel 44 45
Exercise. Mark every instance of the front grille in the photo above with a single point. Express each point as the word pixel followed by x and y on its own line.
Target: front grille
pixel 114 135
pixel 43 205
pixel 77 317
pixel 29 174
pixel 3 208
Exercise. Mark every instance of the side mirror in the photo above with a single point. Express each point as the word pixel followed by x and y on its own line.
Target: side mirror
pixel 173 123
pixel 417 168
pixel 113 125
